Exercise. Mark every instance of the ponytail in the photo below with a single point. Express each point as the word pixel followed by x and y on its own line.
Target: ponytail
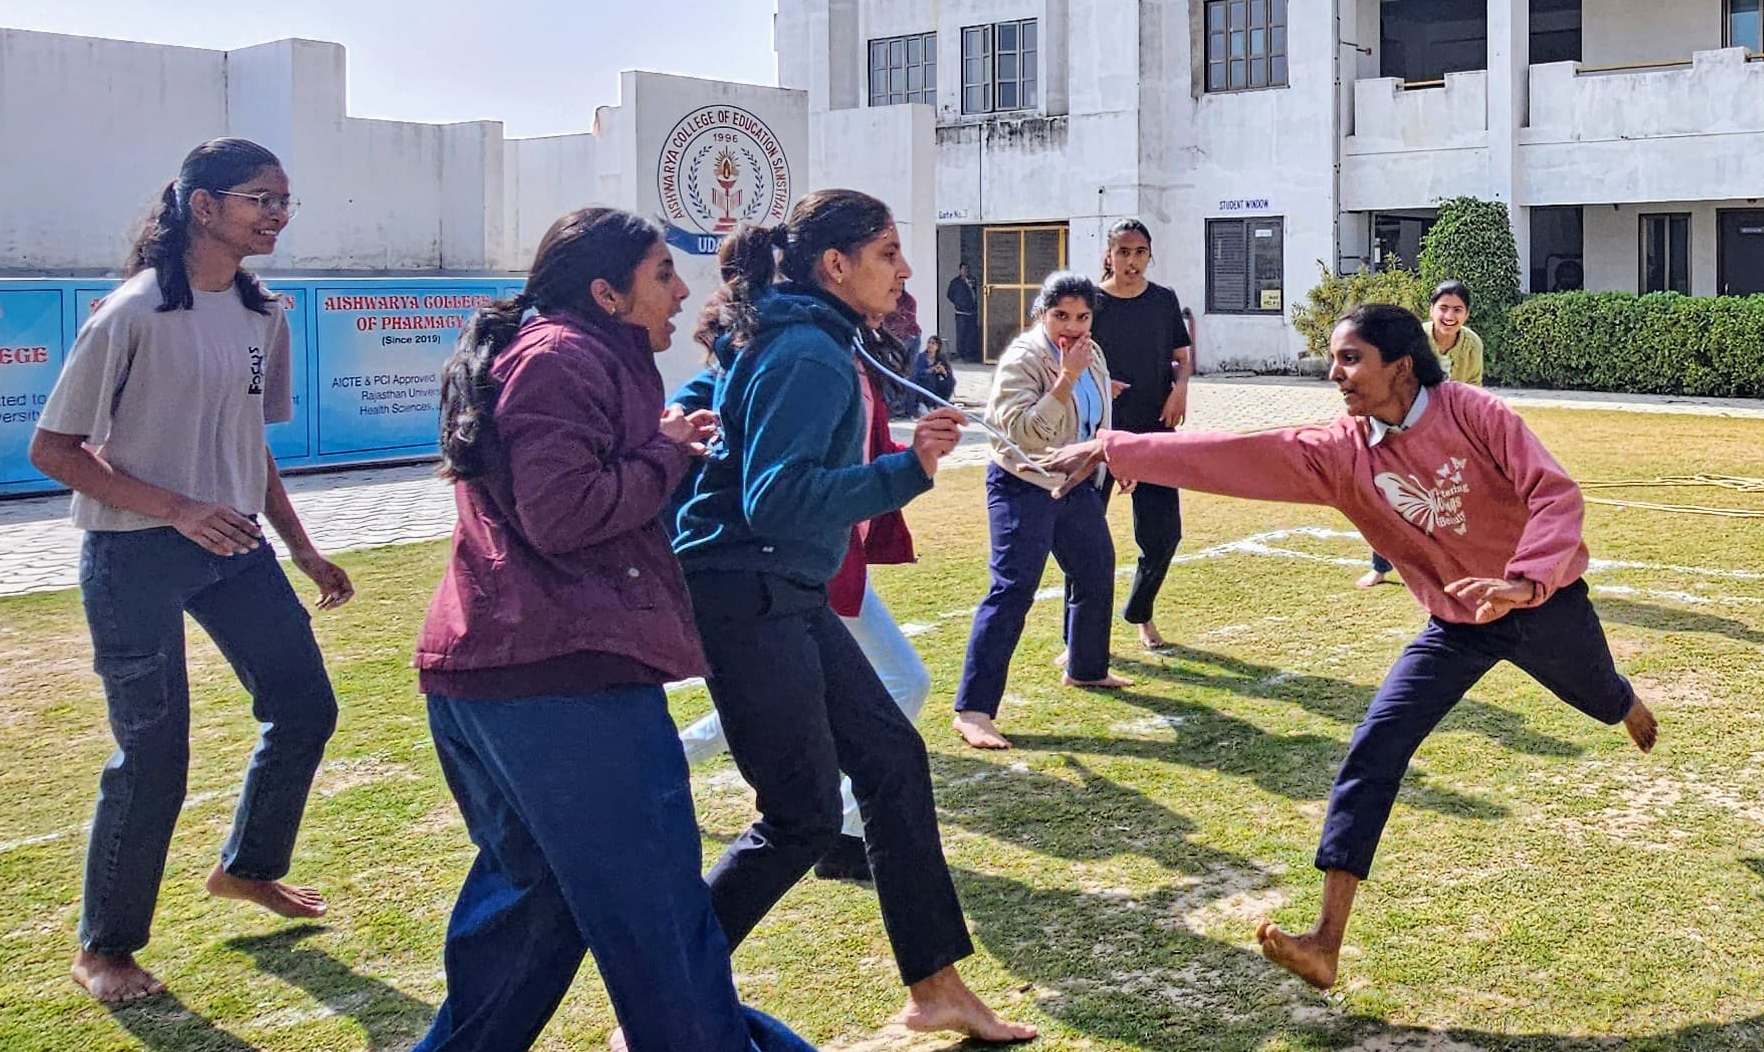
pixel 843 220
pixel 467 391
pixel 749 268
pixel 163 243
pixel 582 247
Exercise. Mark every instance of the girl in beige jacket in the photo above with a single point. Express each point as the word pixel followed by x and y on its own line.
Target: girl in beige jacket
pixel 1051 387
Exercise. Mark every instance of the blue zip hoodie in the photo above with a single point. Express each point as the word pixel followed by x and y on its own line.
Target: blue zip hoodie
pixel 786 479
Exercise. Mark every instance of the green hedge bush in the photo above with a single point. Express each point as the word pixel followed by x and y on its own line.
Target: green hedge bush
pixel 1660 343
pixel 1336 294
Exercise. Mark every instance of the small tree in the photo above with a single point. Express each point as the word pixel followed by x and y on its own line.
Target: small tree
pixel 1336 294
pixel 1472 241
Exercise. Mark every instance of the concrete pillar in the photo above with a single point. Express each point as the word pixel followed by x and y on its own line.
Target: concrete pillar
pixel 1509 80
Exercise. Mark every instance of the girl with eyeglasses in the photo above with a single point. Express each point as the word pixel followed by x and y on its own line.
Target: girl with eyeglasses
pixel 157 425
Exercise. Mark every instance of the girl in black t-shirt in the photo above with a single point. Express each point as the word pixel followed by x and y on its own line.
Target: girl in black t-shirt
pixel 1139 326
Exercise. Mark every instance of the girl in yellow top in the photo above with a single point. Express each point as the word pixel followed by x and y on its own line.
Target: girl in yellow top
pixel 1460 355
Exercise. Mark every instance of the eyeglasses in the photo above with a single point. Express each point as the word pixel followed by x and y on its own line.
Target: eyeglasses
pixel 267 202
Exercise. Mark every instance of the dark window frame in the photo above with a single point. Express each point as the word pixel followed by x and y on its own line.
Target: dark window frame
pixel 984 51
pixel 1641 275
pixel 1251 34
pixel 1251 294
pixel 927 66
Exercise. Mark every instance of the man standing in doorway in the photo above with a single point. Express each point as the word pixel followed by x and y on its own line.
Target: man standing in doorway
pixel 966 301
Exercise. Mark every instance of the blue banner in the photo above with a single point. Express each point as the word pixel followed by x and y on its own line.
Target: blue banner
pixel 692 242
pixel 366 356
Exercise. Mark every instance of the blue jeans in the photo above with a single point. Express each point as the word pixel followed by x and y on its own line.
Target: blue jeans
pixel 897 664
pixel 1560 644
pixel 587 842
pixel 1027 524
pixel 137 585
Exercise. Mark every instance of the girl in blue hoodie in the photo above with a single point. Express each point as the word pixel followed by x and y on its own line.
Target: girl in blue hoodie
pixel 765 527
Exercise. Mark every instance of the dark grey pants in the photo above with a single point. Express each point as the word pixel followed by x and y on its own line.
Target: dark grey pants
pixel 137 585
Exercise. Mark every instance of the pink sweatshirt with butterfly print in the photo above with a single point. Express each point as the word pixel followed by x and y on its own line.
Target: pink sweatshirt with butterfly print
pixel 1468 491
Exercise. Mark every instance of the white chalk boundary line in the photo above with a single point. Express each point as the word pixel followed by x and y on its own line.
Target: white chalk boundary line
pixel 1262 545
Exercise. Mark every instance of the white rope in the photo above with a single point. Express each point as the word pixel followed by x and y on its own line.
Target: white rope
pixel 1737 483
pixel 858 345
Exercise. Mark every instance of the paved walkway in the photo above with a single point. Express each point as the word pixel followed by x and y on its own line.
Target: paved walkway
pixel 39 550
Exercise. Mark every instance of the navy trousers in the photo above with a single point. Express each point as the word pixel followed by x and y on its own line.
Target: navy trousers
pixel 137 586
pixel 587 842
pixel 1027 525
pixel 1560 644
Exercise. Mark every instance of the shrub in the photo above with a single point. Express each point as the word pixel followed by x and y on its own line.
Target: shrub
pixel 1336 294
pixel 1660 343
pixel 1472 241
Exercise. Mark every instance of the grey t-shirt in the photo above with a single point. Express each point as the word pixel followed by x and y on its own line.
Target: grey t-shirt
pixel 175 398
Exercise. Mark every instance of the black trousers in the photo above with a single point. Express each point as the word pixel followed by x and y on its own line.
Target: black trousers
pixel 1157 530
pixel 799 704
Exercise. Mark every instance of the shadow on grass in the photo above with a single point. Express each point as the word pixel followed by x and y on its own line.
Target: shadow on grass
pixel 164 1024
pixel 1337 699
pixel 1094 820
pixel 1133 970
pixel 1756 865
pixel 1297 766
pixel 388 1017
pixel 1673 619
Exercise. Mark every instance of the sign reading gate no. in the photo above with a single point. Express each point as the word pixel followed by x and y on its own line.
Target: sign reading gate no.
pixel 720 166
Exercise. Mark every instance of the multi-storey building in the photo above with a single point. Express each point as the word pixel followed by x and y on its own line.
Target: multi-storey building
pixel 1262 139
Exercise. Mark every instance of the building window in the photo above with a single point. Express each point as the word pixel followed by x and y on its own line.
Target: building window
pixel 1246 266
pixel 1420 41
pixel 1246 44
pixel 1745 25
pixel 999 67
pixel 903 69
pixel 1665 252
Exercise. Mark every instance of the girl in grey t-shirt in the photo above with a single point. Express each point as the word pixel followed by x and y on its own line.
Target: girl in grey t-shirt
pixel 157 425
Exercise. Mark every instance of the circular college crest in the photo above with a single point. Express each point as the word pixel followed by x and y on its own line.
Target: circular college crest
pixel 721 166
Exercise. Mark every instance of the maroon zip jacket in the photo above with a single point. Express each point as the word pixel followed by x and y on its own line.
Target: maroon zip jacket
pixel 558 550
pixel 887 539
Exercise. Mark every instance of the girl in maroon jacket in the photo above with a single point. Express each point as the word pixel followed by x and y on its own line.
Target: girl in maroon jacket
pixel 561 615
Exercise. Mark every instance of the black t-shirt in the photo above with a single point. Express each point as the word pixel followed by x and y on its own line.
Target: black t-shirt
pixel 1137 335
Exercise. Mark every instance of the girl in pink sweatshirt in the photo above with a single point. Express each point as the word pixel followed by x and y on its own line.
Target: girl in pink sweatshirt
pixel 1449 484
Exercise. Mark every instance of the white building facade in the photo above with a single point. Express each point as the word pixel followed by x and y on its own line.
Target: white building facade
pixel 1260 139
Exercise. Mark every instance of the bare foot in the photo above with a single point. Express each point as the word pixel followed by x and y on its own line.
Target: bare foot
pixel 284 900
pixel 616 1040
pixel 978 730
pixel 114 978
pixel 1061 658
pixel 1150 638
pixel 1643 729
pixel 1303 955
pixel 1110 681
pixel 944 1002
pixel 1372 579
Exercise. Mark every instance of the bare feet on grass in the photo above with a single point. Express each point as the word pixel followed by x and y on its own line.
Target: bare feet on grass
pixel 1061 658
pixel 1372 579
pixel 1643 728
pixel 284 900
pixel 978 730
pixel 1150 638
pixel 1306 956
pixel 114 978
pixel 1110 681
pixel 616 1041
pixel 943 1002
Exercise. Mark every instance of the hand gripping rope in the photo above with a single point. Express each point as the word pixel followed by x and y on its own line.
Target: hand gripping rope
pixel 857 345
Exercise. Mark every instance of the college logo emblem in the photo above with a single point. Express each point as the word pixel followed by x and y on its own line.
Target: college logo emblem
pixel 721 166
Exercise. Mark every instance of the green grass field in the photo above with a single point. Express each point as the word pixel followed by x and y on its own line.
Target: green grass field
pixel 1541 884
